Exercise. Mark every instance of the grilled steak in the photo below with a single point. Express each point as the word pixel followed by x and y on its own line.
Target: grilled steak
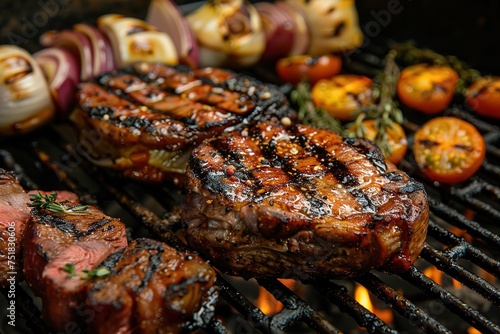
pixel 153 289
pixel 13 217
pixel 301 202
pixel 53 240
pixel 145 119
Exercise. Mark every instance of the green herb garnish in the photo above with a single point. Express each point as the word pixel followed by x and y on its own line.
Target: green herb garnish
pixel 49 202
pixel 86 274
pixel 386 111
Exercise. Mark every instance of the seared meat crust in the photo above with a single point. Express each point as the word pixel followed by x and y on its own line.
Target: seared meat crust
pixel 153 289
pixel 148 107
pixel 303 203
pixel 53 240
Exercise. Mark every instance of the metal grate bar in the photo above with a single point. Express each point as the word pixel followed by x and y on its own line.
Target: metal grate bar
pixel 338 295
pixel 453 303
pixel 402 305
pixel 295 309
pixel 453 269
pixel 453 217
pixel 472 253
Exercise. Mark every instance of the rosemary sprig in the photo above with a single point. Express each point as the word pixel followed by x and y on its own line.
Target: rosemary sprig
pixel 309 114
pixel 49 202
pixel 86 274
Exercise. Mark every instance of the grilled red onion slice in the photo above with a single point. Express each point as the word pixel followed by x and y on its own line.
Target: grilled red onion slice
pixel 279 28
pixel 167 17
pixel 75 42
pixel 62 71
pixel 103 54
pixel 302 37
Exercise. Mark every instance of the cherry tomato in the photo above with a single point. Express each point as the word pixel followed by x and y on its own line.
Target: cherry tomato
pixel 448 149
pixel 484 96
pixel 427 88
pixel 342 94
pixel 294 68
pixel 396 139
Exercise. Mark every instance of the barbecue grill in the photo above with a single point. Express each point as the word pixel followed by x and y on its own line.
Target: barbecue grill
pixel 454 287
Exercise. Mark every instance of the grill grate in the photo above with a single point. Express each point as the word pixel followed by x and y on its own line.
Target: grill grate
pixel 418 301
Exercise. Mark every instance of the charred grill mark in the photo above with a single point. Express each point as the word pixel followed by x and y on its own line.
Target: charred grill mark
pixel 393 176
pixel 411 186
pixel 211 180
pixel 363 200
pixel 337 168
pixel 305 185
pixel 154 263
pixel 463 147
pixel 57 222
pixel 96 226
pixel 373 155
pixel 69 227
pixel 339 29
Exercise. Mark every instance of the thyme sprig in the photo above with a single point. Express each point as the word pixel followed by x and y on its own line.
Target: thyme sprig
pixel 309 114
pixel 85 274
pixel 386 111
pixel 49 202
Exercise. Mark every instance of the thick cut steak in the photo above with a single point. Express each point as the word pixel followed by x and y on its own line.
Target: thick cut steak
pixel 301 202
pixel 145 119
pixel 14 214
pixel 152 289
pixel 53 240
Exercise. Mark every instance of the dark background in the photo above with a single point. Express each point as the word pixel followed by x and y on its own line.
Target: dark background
pixel 466 28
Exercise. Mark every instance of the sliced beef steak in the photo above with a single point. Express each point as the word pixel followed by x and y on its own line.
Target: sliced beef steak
pixel 145 119
pixel 53 240
pixel 153 289
pixel 14 215
pixel 301 202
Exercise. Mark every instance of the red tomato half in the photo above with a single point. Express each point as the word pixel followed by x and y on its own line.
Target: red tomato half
pixel 484 96
pixel 295 68
pixel 427 88
pixel 448 149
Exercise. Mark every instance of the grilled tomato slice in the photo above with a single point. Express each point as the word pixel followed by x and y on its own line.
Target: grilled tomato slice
pixel 396 139
pixel 448 149
pixel 484 96
pixel 295 68
pixel 342 94
pixel 427 88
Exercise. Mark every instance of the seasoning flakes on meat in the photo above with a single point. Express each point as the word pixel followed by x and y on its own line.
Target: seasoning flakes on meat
pixel 301 203
pixel 148 117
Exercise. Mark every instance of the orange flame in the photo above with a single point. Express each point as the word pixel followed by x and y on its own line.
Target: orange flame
pixel 472 330
pixel 266 301
pixel 362 296
pixel 437 276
